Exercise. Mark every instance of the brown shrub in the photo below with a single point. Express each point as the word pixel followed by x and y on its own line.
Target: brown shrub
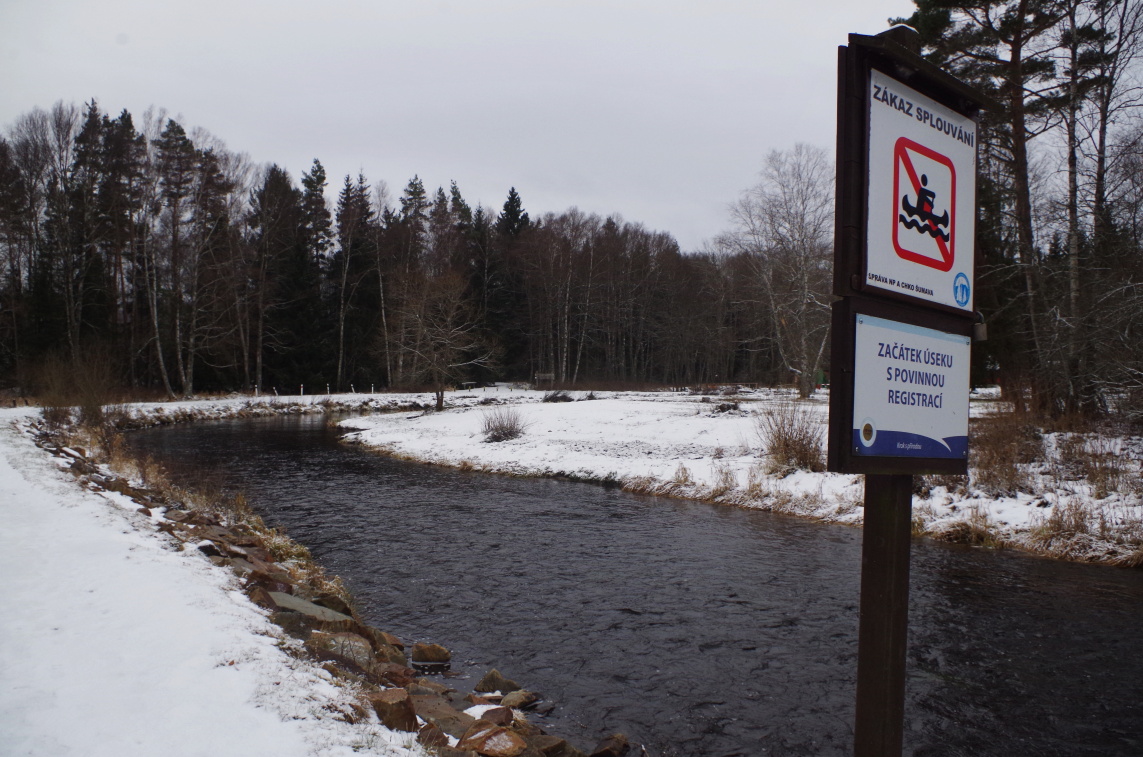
pixel 1002 448
pixel 975 528
pixel 1103 466
pixel 502 424
pixel 923 485
pixel 1066 524
pixel 791 437
pixel 87 383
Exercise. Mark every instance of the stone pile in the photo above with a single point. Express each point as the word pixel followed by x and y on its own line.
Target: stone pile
pixel 489 721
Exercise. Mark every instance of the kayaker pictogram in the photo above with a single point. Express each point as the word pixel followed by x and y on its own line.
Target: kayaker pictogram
pixel 923 181
pixel 921 216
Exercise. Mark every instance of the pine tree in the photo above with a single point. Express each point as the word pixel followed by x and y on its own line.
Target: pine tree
pixel 414 221
pixel 513 219
pixel 275 220
pixel 1006 49
pixel 310 329
pixel 15 235
pixel 459 208
pixel 120 195
pixel 76 231
pixel 177 161
pixel 352 271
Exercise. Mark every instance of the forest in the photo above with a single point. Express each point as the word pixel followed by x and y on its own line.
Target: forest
pixel 157 254
pixel 191 270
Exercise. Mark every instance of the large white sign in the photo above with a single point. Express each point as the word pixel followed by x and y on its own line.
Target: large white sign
pixel 922 196
pixel 910 393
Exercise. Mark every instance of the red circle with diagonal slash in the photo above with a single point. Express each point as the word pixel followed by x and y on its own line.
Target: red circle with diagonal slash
pixel 901 156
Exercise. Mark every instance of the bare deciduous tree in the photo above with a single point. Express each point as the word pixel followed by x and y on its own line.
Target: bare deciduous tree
pixel 442 332
pixel 784 224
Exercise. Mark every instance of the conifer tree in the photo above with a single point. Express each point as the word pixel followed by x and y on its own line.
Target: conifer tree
pixel 309 328
pixel 317 223
pixel 512 219
pixel 1006 49
pixel 275 220
pixel 120 194
pixel 75 230
pixel 15 233
pixel 352 270
pixel 177 159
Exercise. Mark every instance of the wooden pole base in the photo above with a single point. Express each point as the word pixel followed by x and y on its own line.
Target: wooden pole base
pixel 884 618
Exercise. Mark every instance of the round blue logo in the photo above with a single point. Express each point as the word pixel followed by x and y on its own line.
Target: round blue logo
pixel 961 289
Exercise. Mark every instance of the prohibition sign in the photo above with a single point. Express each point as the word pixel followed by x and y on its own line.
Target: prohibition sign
pixel 917 226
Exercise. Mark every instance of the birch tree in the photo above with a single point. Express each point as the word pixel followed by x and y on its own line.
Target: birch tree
pixel 785 225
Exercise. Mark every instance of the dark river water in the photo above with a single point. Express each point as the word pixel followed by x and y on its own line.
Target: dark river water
pixel 698 630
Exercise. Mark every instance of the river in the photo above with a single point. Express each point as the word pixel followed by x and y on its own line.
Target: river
pixel 698 630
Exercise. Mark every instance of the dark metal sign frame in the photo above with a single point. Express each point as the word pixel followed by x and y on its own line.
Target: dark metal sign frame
pixel 863 55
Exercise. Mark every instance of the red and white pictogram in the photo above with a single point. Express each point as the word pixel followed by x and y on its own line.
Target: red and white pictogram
pixel 924 205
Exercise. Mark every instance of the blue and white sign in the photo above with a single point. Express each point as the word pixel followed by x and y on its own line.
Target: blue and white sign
pixel 962 290
pixel 910 394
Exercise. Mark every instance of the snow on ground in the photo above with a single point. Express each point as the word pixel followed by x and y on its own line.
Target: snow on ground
pixel 113 643
pixel 710 447
pixel 660 442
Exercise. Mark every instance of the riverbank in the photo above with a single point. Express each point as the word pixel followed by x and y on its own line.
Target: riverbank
pixel 95 637
pixel 149 618
pixel 113 642
pixel 1074 495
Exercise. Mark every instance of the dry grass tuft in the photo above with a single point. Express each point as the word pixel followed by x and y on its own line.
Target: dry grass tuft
pixel 791 437
pixel 1132 560
pixel 682 476
pixel 976 528
pixel 725 480
pixel 641 485
pixel 923 486
pixel 1002 448
pixel 1068 528
pixel 1099 459
pixel 502 424
pixel 1104 466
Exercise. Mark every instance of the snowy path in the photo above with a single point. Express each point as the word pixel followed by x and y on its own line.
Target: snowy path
pixel 113 644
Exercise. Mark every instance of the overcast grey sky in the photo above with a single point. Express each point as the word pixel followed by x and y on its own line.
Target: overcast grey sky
pixel 659 111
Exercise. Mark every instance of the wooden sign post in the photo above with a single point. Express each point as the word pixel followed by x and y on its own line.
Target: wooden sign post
pixel 902 332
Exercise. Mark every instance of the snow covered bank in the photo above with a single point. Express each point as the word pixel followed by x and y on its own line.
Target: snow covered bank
pixel 112 643
pixel 1068 495
pixel 153 619
pixel 710 448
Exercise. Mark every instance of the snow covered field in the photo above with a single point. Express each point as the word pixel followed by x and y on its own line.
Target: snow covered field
pixel 711 448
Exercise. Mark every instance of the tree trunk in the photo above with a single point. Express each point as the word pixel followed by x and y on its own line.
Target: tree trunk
pixel 1022 190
